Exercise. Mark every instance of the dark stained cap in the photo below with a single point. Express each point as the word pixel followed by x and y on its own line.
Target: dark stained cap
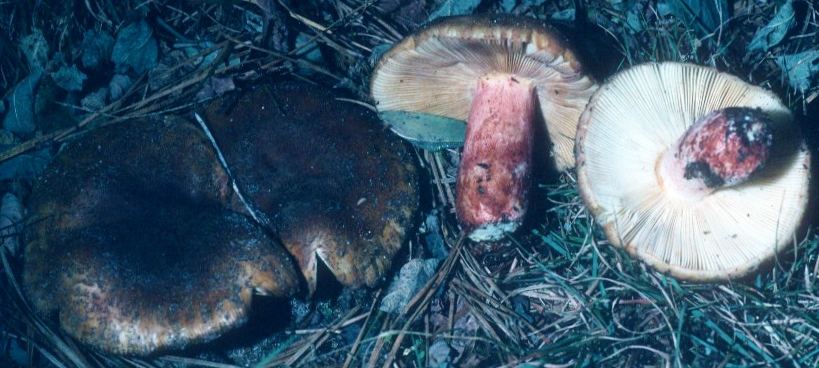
pixel 133 241
pixel 331 181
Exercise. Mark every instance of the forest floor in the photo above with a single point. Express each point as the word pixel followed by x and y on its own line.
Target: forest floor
pixel 554 294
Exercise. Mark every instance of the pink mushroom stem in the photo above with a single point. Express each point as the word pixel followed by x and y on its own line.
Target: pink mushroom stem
pixel 494 174
pixel 724 148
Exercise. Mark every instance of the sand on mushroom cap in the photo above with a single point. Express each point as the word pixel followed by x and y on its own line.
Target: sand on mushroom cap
pixel 327 177
pixel 465 68
pixel 727 233
pixel 134 242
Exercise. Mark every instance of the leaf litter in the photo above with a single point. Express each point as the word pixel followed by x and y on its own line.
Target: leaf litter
pixel 553 295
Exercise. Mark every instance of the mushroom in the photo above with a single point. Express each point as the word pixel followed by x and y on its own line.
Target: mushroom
pixel 500 75
pixel 325 176
pixel 134 242
pixel 693 171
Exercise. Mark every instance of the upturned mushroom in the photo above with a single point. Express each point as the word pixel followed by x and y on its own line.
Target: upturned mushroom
pixel 323 174
pixel 135 243
pixel 501 75
pixel 693 171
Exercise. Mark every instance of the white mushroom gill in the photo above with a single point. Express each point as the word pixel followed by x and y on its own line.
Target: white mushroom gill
pixel 630 124
pixel 435 71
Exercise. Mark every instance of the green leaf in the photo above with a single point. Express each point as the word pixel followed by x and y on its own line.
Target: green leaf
pixel 430 132
pixel 801 68
pixel 773 33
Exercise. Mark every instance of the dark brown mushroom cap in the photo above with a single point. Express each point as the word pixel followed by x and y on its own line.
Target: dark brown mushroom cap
pixel 331 181
pixel 133 242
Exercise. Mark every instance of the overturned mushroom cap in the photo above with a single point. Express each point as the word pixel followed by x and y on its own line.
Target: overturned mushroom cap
pixel 326 176
pixel 134 243
pixel 693 171
pixel 503 77
pixel 437 70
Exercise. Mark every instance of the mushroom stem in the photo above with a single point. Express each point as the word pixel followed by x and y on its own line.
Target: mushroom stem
pixel 722 149
pixel 494 174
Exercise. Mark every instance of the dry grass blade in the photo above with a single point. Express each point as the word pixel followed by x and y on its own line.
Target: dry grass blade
pixel 419 304
pixel 196 362
pixel 488 298
pixel 357 344
pixel 301 349
pixel 443 182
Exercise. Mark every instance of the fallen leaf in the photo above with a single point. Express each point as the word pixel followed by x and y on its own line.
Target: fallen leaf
pixel 774 32
pixel 800 68
pixel 20 117
pixel 135 48
pixel 409 281
pixel 69 78
pixel 96 48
